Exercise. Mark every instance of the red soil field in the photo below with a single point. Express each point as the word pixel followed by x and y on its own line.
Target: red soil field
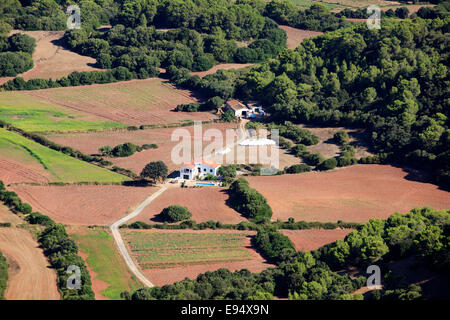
pixel 30 275
pixel 85 204
pixel 224 66
pixel 134 102
pixel 97 285
pixel 51 60
pixel 12 171
pixel 296 36
pixel 90 142
pixel 312 239
pixel 352 194
pixel 165 276
pixel 205 203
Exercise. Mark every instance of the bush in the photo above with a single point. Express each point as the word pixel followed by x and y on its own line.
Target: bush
pixel 175 213
pixel 341 137
pixel 298 168
pixel 327 164
pixel 273 244
pixel 313 159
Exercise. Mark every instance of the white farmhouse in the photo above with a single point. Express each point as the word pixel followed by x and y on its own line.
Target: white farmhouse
pixel 198 169
pixel 240 110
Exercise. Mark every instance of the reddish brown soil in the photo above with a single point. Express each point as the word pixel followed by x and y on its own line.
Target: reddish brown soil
pixel 353 194
pixel 30 275
pixel 161 277
pixel 134 102
pixel 205 203
pixel 223 66
pixel 90 142
pixel 51 60
pixel 296 36
pixel 83 205
pixel 13 171
pixel 312 239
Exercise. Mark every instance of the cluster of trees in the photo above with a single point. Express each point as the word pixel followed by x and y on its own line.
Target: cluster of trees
pixel 311 275
pixel 124 150
pixel 3 276
pixel 61 251
pixel 15 54
pixel 441 11
pixel 175 213
pixel 73 79
pixel 51 14
pixel 317 17
pixel 393 81
pixel 295 133
pixel 210 104
pixel 401 12
pixel 249 202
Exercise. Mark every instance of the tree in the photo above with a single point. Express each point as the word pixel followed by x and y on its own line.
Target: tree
pixel 328 164
pixel 175 213
pixel 156 170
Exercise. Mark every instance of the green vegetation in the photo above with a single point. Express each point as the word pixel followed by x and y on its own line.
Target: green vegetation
pixel 297 168
pixel 104 260
pixel 15 54
pixel 155 170
pixel 273 245
pixel 249 202
pixel 30 114
pixel 341 137
pixel 124 150
pixel 175 213
pixel 12 200
pixel 327 164
pixel 165 250
pixel 61 167
pixel 3 276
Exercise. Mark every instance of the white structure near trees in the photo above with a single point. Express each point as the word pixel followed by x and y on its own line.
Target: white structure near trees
pixel 198 169
pixel 240 110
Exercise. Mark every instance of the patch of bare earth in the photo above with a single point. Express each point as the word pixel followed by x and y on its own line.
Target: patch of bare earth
pixel 134 102
pixel 30 275
pixel 221 66
pixel 97 285
pixel 51 59
pixel 205 203
pixel 90 142
pixel 296 36
pixel 12 171
pixel 312 239
pixel 328 147
pixel 84 204
pixel 353 194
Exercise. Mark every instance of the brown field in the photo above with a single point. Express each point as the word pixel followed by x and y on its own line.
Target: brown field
pixel 15 171
pixel 312 239
pixel 205 203
pixel 328 148
pixel 221 66
pixel 134 102
pixel 353 194
pixel 90 142
pixel 163 276
pixel 296 36
pixel 51 60
pixel 85 204
pixel 30 276
pixel 361 3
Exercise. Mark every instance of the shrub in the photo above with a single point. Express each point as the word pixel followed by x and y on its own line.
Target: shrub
pixel 298 168
pixel 175 213
pixel 327 164
pixel 341 137
pixel 313 159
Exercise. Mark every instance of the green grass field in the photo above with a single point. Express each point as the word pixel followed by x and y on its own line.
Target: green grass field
pixel 61 167
pixel 165 250
pixel 104 260
pixel 31 114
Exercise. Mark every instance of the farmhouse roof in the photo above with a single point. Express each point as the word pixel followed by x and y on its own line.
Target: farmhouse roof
pixel 235 104
pixel 209 163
